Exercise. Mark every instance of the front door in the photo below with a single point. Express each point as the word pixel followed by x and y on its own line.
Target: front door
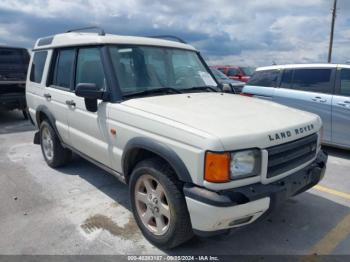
pixel 341 109
pixel 88 131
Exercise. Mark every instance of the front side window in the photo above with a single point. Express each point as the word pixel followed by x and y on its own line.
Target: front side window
pixel 345 82
pixel 37 68
pixel 89 68
pixel 312 80
pixel 63 70
pixel 219 75
pixel 266 78
pixel 144 68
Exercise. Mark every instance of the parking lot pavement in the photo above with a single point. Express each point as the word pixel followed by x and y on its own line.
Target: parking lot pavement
pixel 80 209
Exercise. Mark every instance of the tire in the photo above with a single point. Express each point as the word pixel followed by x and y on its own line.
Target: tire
pixel 177 228
pixel 54 154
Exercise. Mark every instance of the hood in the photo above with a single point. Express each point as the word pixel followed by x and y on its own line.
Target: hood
pixel 238 121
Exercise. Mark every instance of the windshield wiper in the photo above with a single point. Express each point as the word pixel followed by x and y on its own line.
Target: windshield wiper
pixel 195 88
pixel 166 90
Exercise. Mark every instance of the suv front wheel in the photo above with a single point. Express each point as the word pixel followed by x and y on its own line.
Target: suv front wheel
pixel 159 205
pixel 54 153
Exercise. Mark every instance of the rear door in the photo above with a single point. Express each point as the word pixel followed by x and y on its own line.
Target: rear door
pixel 262 84
pixel 309 89
pixel 59 88
pixel 341 109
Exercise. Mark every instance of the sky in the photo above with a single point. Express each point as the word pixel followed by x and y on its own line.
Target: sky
pixel 250 32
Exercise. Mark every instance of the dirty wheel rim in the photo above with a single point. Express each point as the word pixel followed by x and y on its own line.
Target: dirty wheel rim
pixel 152 205
pixel 47 143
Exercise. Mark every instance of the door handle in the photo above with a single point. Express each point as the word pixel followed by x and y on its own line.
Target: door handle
pixel 70 103
pixel 47 96
pixel 344 104
pixel 319 99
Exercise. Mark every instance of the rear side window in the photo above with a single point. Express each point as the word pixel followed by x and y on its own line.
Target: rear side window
pixel 312 80
pixel 62 73
pixel 345 82
pixel 266 78
pixel 37 68
pixel 89 67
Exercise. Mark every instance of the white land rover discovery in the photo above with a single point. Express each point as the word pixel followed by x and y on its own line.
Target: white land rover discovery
pixel 150 112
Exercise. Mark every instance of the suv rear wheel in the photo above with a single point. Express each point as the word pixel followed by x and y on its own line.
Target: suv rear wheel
pixel 54 154
pixel 158 204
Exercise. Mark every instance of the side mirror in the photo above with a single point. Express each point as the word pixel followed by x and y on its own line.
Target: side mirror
pixel 88 90
pixel 91 93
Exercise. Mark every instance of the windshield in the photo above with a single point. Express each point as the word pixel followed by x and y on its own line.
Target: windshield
pixel 144 68
pixel 218 74
pixel 248 71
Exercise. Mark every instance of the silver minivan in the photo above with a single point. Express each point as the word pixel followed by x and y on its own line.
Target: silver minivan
pixel 323 89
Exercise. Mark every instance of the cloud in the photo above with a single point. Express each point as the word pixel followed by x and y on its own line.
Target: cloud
pixel 235 32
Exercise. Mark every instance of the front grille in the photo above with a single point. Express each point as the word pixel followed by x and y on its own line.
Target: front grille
pixel 285 157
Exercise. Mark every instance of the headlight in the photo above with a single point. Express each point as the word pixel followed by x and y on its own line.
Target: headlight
pixel 221 167
pixel 245 163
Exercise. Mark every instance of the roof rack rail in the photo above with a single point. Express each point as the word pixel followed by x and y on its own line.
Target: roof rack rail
pixel 171 37
pixel 101 31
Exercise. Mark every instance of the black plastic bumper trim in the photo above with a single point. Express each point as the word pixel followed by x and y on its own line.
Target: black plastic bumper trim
pixel 279 190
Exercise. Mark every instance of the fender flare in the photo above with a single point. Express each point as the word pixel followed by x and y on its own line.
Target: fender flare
pixel 52 120
pixel 157 148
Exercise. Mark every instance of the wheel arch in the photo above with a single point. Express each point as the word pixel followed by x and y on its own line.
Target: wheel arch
pixel 43 113
pixel 140 148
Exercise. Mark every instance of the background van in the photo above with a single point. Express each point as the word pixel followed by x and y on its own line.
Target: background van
pixel 323 89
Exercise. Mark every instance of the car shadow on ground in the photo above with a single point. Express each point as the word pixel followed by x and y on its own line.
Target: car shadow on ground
pixel 294 228
pixel 13 122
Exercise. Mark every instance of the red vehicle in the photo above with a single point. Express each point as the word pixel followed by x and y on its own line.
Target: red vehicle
pixel 240 73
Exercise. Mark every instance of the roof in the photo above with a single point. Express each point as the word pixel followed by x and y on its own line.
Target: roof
pixel 79 38
pixel 319 65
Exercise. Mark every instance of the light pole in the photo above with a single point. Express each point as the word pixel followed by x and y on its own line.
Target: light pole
pixel 334 12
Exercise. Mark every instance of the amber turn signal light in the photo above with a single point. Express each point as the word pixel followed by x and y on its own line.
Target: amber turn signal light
pixel 217 167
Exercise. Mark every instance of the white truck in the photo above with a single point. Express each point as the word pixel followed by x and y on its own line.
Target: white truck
pixel 150 112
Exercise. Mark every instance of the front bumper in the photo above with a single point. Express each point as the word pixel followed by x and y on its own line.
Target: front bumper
pixel 214 211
